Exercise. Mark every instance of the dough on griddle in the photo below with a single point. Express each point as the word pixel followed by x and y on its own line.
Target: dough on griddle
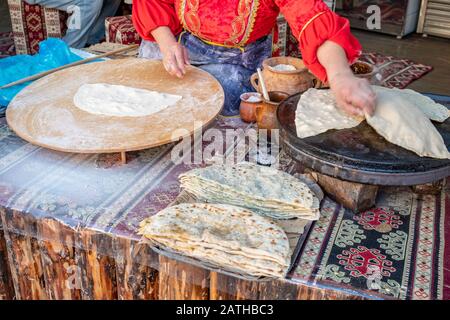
pixel 434 111
pixel 121 101
pixel 402 123
pixel 401 116
pixel 317 112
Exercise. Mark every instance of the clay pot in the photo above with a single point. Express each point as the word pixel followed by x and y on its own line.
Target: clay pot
pixel 266 112
pixel 290 82
pixel 248 108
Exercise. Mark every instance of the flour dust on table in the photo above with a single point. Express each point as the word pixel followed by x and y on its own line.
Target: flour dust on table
pixel 121 101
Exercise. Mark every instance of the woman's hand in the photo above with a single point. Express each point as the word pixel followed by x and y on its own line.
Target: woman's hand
pixel 353 95
pixel 175 55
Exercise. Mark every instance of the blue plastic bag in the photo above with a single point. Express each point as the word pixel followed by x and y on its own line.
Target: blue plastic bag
pixel 53 53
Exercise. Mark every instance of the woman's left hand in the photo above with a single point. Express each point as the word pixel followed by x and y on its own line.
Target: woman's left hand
pixel 353 95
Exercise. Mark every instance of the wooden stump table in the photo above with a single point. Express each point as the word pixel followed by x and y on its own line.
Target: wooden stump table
pixel 69 226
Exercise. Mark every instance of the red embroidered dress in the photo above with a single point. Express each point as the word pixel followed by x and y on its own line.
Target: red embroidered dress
pixel 236 23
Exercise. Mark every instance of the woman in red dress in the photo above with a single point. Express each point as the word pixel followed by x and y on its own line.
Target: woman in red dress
pixel 231 38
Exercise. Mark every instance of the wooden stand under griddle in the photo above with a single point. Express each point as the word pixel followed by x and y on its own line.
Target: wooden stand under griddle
pixel 354 196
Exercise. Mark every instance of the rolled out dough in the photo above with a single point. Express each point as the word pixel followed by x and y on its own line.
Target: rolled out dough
pixel 121 101
pixel 403 123
pixel 317 112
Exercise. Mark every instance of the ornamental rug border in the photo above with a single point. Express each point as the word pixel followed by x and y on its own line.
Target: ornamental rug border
pixel 397 250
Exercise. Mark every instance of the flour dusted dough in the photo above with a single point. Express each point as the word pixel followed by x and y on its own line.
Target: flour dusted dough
pixel 402 123
pixel 121 101
pixel 317 112
pixel 434 111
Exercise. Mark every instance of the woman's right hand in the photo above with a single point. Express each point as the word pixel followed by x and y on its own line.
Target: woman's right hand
pixel 175 55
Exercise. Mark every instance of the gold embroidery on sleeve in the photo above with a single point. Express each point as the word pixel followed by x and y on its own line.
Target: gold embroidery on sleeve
pixel 310 21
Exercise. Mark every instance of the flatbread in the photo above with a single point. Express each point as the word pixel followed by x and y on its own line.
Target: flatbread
pixel 401 116
pixel 434 111
pixel 265 190
pixel 121 101
pixel 317 112
pixel 226 236
pixel 403 123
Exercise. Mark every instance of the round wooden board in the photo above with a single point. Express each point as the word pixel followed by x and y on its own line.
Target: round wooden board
pixel 44 113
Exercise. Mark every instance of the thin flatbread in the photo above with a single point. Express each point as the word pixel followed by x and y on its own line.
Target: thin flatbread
pixel 265 190
pixel 225 236
pixel 402 123
pixel 317 112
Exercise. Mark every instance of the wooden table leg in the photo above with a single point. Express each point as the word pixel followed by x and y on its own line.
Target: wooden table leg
pixel 23 255
pixel 97 267
pixel 123 157
pixel 136 276
pixel 182 281
pixel 222 287
pixel 58 253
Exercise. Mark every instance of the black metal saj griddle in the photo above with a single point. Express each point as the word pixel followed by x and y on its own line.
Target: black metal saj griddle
pixel 360 154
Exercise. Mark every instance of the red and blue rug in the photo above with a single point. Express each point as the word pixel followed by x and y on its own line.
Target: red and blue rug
pixel 395 72
pixel 400 249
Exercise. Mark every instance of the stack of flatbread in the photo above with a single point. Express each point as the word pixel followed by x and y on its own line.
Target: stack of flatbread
pixel 224 236
pixel 401 116
pixel 264 190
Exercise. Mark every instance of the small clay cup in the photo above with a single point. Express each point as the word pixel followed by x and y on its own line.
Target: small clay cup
pixel 266 112
pixel 248 108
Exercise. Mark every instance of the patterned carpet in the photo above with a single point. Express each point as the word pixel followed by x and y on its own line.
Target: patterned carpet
pixel 395 72
pixel 6 44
